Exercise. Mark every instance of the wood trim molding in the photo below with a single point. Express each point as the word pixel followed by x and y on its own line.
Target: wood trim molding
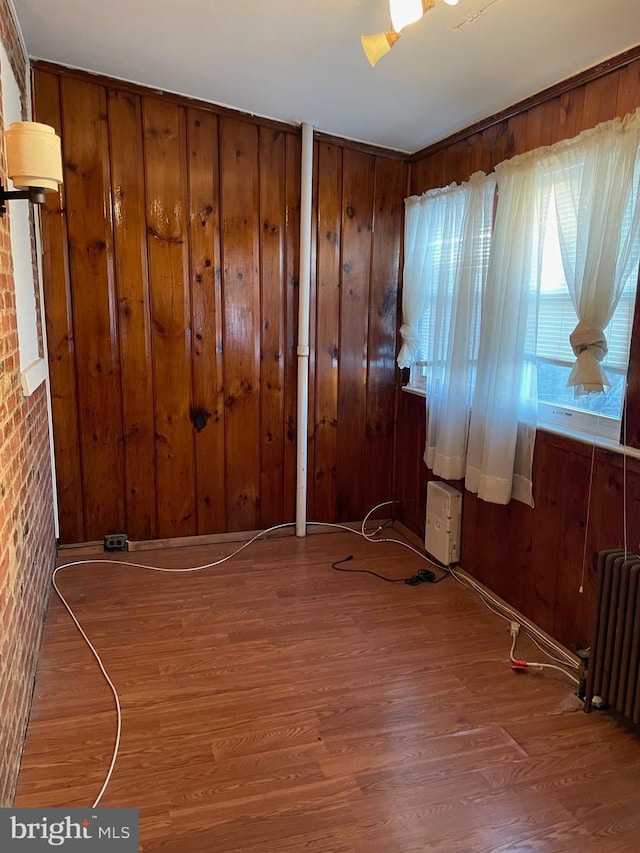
pixel 151 91
pixel 366 148
pixel 593 73
pixel 580 79
pixel 216 109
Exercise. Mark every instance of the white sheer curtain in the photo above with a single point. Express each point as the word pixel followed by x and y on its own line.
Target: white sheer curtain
pixel 482 409
pixel 500 452
pixel 595 183
pixel 462 218
pixel 419 249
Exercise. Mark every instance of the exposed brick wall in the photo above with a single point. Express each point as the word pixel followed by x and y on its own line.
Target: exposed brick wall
pixel 27 539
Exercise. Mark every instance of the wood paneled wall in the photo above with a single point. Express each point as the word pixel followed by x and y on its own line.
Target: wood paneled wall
pixel 171 267
pixel 360 202
pixel 533 557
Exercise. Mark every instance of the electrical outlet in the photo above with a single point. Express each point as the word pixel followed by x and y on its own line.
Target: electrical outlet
pixel 115 542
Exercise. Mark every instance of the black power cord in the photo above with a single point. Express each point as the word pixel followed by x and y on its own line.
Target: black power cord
pixel 422 576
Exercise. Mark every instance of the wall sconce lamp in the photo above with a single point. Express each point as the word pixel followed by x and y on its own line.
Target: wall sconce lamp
pixel 403 13
pixel 34 162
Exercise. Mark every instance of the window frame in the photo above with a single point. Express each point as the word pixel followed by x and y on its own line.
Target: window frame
pixel 23 234
pixel 564 419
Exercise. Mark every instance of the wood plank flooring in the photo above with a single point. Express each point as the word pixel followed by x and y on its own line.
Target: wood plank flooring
pixel 273 704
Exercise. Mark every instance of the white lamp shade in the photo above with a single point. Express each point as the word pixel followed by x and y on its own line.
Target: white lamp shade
pixel 405 12
pixel 451 2
pixel 34 156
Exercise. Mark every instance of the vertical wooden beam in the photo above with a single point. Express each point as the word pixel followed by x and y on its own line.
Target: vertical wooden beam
pixel 207 410
pixel 292 267
pixel 166 198
pixel 59 320
pixel 132 278
pixel 357 213
pixel 272 153
pixel 390 179
pixel 327 330
pixel 240 252
pixel 89 216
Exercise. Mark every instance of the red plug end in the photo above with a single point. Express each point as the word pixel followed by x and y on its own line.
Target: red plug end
pixel 519 665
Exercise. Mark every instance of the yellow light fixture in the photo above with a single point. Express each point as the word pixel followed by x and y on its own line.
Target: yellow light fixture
pixel 378 45
pixel 403 13
pixel 34 162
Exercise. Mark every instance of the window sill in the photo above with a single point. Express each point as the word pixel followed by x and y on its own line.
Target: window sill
pixel 576 435
pixel 413 389
pixel 33 376
pixel 591 440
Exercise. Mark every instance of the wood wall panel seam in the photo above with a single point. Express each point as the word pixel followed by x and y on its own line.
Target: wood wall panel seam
pixel 357 207
pixel 168 247
pixel 241 251
pixel 132 279
pixel 272 170
pixel 207 405
pixel 90 229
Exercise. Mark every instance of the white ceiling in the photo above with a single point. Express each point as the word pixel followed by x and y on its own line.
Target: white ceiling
pixel 301 60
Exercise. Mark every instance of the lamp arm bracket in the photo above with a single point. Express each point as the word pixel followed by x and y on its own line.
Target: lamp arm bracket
pixel 36 195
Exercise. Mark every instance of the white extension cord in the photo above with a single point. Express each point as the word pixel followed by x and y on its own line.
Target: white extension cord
pixel 491 603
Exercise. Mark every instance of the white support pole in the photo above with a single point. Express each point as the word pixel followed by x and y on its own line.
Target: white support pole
pixel 304 288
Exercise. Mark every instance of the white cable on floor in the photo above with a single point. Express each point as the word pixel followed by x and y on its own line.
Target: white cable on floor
pixel 106 677
pixel 369 537
pixel 534 664
pixel 510 616
pixel 548 653
pixel 362 532
pixel 91 646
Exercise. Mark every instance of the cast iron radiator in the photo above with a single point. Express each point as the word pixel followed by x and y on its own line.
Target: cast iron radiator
pixel 615 654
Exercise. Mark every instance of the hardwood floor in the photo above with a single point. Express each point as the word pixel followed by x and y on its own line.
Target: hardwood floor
pixel 272 704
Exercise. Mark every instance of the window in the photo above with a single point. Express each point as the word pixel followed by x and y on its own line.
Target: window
pixel 440 315
pixel 495 300
pixel 558 408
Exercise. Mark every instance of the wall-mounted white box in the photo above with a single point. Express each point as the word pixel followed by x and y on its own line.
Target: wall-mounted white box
pixel 443 524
